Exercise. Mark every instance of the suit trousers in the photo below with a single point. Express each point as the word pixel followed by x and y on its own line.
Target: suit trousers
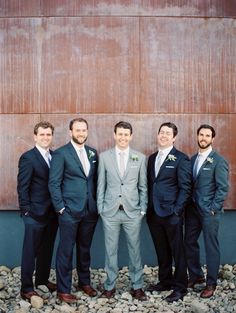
pixel 167 235
pixel 131 226
pixel 79 231
pixel 209 225
pixel 38 244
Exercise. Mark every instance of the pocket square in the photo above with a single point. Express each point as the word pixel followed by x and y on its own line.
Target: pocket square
pixel 206 169
pixel 94 161
pixel 133 166
pixel 169 166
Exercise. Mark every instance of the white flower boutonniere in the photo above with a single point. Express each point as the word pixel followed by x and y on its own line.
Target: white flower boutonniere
pixel 210 160
pixel 134 157
pixel 171 157
pixel 91 154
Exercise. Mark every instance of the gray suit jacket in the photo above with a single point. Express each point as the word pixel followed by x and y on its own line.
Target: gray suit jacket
pixel 113 190
pixel 211 184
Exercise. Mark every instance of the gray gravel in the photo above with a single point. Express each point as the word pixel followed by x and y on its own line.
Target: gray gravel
pixel 223 301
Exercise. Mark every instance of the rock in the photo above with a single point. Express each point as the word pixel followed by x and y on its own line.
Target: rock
pixel 2 284
pixel 198 307
pixel 36 302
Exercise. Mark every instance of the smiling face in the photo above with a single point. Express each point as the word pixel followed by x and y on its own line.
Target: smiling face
pixel 165 137
pixel 43 138
pixel 79 133
pixel 204 139
pixel 122 138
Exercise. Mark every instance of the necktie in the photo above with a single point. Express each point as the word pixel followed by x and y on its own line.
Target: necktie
pixel 82 160
pixel 197 165
pixel 48 158
pixel 158 162
pixel 122 163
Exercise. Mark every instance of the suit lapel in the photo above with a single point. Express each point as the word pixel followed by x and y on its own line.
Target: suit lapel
pixel 204 163
pixel 172 151
pixel 40 158
pixel 75 156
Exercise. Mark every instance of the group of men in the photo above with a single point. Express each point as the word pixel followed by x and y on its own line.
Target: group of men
pixel 72 186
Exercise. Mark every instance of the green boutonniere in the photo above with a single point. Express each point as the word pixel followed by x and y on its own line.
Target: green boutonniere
pixel 134 157
pixel 91 154
pixel 210 160
pixel 171 157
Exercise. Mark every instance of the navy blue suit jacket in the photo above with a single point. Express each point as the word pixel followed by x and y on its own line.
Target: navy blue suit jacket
pixel 211 184
pixel 32 185
pixel 70 188
pixel 170 190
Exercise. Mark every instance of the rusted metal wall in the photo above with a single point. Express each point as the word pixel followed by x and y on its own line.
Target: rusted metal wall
pixel 139 60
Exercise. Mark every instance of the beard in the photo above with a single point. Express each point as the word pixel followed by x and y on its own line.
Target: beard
pixel 79 142
pixel 204 146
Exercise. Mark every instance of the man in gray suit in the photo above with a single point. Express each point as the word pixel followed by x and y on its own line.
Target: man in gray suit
pixel 122 202
pixel 210 187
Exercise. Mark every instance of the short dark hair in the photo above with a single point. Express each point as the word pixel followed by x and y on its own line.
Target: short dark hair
pixel 170 125
pixel 206 126
pixel 125 125
pixel 78 119
pixel 43 125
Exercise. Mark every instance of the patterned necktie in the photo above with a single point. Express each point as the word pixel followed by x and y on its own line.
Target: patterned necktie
pixel 122 163
pixel 197 164
pixel 82 160
pixel 158 162
pixel 48 158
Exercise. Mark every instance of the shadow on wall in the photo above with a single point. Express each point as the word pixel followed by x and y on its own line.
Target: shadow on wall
pixel 12 231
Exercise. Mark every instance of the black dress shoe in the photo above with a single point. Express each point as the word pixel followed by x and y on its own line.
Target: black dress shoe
pixel 175 296
pixel 158 287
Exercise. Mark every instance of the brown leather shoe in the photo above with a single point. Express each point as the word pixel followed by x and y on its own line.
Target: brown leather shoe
pixel 66 297
pixel 28 295
pixel 108 293
pixel 208 291
pixel 197 281
pixel 88 290
pixel 51 286
pixel 138 294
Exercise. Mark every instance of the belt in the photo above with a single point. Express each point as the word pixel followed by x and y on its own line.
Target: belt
pixel 121 207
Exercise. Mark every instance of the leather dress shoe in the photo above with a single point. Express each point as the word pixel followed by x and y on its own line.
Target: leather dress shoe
pixel 208 291
pixel 88 290
pixel 28 295
pixel 138 294
pixel 51 286
pixel 197 281
pixel 66 297
pixel 108 293
pixel 175 296
pixel 158 287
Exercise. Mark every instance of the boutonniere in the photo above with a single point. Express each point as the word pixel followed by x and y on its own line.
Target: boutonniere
pixel 171 157
pixel 134 157
pixel 91 154
pixel 210 160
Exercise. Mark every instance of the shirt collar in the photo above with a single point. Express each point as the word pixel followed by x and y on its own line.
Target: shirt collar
pixel 205 153
pixel 166 151
pixel 76 147
pixel 41 150
pixel 126 151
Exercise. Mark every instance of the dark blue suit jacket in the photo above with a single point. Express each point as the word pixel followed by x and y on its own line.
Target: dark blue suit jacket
pixel 70 188
pixel 211 184
pixel 170 190
pixel 32 185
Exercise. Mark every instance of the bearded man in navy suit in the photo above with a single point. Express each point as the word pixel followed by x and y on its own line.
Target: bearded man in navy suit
pixel 72 184
pixel 37 212
pixel 169 187
pixel 209 190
